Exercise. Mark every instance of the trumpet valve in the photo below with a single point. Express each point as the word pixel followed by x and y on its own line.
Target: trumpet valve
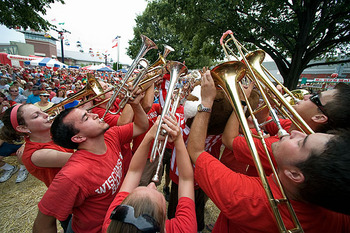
pixel 163 132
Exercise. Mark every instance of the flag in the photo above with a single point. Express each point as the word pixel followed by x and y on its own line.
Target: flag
pixel 115 41
pixel 116 44
pixel 60 23
pixel 53 20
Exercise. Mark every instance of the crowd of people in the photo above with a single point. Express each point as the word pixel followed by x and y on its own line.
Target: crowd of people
pixel 97 166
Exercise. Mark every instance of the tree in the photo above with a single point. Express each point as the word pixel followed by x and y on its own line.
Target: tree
pixel 154 24
pixel 25 14
pixel 293 33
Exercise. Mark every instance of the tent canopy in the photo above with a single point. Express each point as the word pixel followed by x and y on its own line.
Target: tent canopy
pixel 106 68
pixel 46 61
pixel 74 67
pixel 122 70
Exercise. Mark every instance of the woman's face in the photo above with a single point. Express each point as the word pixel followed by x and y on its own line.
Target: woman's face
pixel 60 93
pixel 35 119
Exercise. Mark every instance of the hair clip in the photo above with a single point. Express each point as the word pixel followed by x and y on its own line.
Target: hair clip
pixel 144 222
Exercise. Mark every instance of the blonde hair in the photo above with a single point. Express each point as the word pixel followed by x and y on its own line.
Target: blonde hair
pixel 142 205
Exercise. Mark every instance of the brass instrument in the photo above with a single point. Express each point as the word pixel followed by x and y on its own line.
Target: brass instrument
pixel 148 76
pixel 147 44
pixel 298 95
pixel 184 87
pixel 176 69
pixel 156 70
pixel 228 76
pixel 92 87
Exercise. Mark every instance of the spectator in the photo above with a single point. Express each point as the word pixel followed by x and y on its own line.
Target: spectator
pixel 27 89
pixel 61 95
pixel 44 103
pixel 33 98
pixel 15 96
pixel 72 104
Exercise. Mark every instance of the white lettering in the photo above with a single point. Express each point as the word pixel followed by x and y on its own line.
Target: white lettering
pixel 113 181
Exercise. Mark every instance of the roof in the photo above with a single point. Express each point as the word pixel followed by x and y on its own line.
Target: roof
pixel 75 55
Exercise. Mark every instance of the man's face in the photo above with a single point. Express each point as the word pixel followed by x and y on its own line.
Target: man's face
pixel 307 109
pixel 297 147
pixel 88 124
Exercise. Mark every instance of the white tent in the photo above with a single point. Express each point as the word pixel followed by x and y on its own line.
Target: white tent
pixel 49 62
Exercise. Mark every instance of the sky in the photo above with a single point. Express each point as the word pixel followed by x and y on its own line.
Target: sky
pixel 96 23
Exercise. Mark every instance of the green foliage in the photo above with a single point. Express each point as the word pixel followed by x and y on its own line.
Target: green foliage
pixel 115 64
pixel 292 32
pixel 25 14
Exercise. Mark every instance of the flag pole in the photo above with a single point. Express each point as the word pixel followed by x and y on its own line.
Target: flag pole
pixel 118 52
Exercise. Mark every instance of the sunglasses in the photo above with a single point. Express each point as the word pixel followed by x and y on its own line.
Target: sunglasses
pixel 316 100
pixel 46 96
pixel 144 222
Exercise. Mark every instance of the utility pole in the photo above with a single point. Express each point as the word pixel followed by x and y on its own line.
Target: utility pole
pixel 60 33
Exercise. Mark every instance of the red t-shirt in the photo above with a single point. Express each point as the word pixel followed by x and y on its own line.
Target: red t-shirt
pixel 212 145
pixel 112 120
pixel 88 183
pixel 45 174
pixel 184 221
pixel 242 152
pixel 245 208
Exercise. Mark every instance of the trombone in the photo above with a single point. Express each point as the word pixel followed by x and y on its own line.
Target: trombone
pixel 92 87
pixel 228 76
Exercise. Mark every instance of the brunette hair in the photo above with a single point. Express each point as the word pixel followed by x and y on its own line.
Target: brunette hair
pixel 142 205
pixel 327 175
pixel 63 132
pixel 7 132
pixel 338 109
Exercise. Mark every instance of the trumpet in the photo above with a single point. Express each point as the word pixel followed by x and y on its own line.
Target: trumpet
pixel 157 69
pixel 228 76
pixel 149 75
pixel 176 69
pixel 183 88
pixel 147 44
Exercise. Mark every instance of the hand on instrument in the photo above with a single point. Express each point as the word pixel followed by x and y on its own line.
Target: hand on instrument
pixel 208 90
pixel 171 127
pixel 153 130
pixel 136 99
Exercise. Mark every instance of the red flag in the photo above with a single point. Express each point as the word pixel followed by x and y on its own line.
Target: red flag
pixel 115 40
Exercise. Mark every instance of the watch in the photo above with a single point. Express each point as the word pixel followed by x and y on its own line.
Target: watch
pixel 201 108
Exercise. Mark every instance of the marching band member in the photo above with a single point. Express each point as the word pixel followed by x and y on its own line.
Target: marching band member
pixel 134 204
pixel 91 178
pixel 302 162
pixel 322 112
